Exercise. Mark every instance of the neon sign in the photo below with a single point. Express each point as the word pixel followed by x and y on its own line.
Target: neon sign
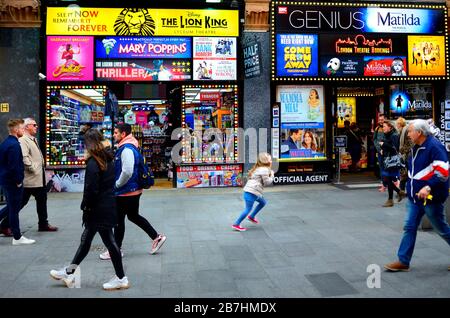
pixel 361 45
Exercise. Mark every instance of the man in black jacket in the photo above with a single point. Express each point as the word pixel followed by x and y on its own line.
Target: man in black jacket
pixel 11 178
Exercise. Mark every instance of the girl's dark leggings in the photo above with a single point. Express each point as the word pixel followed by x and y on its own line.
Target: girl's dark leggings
pixel 108 239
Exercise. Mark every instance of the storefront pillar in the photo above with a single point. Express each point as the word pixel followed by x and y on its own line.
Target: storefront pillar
pixel 257 97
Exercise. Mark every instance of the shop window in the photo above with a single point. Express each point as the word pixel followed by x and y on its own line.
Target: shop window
pixel 70 111
pixel 210 123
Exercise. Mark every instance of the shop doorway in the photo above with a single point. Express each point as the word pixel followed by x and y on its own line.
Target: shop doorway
pixel 355 116
pixel 153 111
pixel 361 106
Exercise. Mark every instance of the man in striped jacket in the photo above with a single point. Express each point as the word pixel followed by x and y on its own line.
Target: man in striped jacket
pixel 427 189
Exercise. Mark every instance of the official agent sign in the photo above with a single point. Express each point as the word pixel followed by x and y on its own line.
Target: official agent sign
pixel 141 22
pixel 301 178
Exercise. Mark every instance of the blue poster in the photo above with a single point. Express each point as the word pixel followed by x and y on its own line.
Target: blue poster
pixel 401 20
pixel 143 47
pixel 297 55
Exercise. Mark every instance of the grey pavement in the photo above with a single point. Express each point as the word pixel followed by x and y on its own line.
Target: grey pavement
pixel 313 241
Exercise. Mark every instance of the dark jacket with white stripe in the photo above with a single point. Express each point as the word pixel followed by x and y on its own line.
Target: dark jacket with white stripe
pixel 428 165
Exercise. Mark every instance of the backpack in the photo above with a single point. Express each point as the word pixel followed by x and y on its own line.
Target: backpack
pixel 146 179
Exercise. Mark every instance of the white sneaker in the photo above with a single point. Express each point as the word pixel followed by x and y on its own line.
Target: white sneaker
pixel 23 241
pixel 157 243
pixel 61 274
pixel 69 281
pixel 106 256
pixel 116 283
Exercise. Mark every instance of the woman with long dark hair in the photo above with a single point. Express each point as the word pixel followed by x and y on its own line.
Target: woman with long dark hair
pixel 99 211
pixel 390 147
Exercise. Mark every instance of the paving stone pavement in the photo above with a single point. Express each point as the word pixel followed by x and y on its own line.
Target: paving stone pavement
pixel 313 241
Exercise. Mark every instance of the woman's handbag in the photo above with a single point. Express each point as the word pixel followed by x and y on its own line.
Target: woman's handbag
pixel 393 162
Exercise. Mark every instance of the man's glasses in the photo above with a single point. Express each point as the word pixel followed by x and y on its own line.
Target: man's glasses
pixel 34 125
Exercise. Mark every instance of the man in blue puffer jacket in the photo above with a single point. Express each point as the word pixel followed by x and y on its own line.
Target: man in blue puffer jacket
pixel 427 190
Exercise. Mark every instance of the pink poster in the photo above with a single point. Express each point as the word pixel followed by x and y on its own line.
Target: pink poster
pixel 70 58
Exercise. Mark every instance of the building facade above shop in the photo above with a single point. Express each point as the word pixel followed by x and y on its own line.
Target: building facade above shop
pixel 20 13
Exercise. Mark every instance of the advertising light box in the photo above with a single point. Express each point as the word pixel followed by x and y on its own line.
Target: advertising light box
pixel 337 18
pixel 302 122
pixel 426 54
pixel 141 22
pixel 215 58
pixel 143 47
pixel 297 55
pixel 385 66
pixel 143 70
pixel 353 41
pixel 70 58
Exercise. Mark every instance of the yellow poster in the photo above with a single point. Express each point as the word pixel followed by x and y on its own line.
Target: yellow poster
pixel 346 110
pixel 142 22
pixel 426 55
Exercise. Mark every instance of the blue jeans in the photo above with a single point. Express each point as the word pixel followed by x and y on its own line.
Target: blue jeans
pixel 250 199
pixel 436 215
pixel 13 205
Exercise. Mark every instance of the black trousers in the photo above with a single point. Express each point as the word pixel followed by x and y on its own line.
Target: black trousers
pixel 129 206
pixel 40 194
pixel 108 239
pixel 389 181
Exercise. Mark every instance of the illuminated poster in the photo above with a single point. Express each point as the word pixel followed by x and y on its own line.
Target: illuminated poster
pixel 385 66
pixel 333 66
pixel 73 20
pixel 143 70
pixel 209 176
pixel 411 101
pixel 301 122
pixel 297 55
pixel 362 44
pixel 143 47
pixel 70 58
pixel 65 180
pixel 215 59
pixel 349 18
pixel 401 20
pixel 346 110
pixel 426 55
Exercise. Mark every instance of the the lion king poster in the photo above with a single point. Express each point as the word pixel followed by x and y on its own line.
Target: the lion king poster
pixel 426 55
pixel 141 22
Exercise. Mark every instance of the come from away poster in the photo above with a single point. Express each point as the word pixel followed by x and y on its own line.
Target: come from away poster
pixel 297 55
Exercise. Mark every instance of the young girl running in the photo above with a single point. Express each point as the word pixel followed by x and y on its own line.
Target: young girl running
pixel 259 176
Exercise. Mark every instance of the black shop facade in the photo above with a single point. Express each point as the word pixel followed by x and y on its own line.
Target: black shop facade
pixel 169 73
pixel 335 62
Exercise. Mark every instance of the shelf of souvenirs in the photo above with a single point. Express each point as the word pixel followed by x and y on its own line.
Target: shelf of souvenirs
pixel 55 130
pixel 62 118
pixel 65 107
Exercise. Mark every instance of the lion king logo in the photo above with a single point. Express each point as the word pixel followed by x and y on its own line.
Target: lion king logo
pixel 133 21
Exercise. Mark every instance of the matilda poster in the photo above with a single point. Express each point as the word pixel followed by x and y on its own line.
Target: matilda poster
pixel 426 55
pixel 70 58
pixel 297 55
